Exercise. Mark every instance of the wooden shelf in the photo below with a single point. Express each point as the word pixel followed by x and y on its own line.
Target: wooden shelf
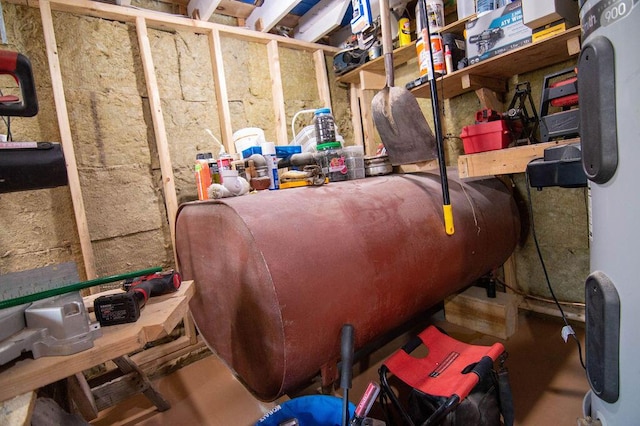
pixel 504 161
pixel 401 55
pixel 493 73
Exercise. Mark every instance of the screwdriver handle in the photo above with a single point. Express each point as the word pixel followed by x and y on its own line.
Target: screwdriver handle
pixel 155 284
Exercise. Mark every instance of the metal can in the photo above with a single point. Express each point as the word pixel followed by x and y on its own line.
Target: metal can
pixel 404 32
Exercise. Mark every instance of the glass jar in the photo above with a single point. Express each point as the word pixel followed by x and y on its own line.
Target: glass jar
pixel 325 126
pixel 333 162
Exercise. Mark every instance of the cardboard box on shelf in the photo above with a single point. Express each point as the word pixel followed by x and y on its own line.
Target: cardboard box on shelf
pixel 496 32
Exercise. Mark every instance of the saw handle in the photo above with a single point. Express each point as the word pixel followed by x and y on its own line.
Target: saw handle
pixel 18 66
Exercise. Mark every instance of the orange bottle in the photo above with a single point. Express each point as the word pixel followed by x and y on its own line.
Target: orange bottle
pixel 203 179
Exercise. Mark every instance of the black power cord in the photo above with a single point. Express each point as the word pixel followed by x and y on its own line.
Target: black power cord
pixel 546 275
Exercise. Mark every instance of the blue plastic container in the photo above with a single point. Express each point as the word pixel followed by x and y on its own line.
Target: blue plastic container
pixel 312 410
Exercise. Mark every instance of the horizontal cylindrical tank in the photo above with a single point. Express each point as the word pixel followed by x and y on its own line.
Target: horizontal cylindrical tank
pixel 278 273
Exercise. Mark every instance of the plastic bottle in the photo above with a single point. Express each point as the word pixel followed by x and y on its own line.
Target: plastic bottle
pixel 435 14
pixel 483 6
pixel 465 8
pixel 448 59
pixel 269 154
pixel 325 126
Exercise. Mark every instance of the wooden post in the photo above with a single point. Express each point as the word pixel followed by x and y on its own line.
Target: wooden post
pixel 168 182
pixel 222 98
pixel 277 93
pixel 324 90
pixel 67 140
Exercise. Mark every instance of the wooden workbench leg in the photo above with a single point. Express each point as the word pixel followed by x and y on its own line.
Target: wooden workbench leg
pixel 126 365
pixel 80 393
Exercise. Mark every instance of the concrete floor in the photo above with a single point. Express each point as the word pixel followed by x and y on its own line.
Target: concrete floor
pixel 547 380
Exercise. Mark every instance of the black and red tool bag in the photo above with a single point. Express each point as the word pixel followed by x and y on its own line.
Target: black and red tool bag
pixel 454 384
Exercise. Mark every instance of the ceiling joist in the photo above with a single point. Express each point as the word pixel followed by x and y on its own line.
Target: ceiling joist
pixel 321 19
pixel 267 16
pixel 203 8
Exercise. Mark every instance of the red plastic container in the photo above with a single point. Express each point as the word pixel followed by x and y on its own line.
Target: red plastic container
pixel 487 136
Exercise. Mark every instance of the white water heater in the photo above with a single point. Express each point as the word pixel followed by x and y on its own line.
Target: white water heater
pixel 609 90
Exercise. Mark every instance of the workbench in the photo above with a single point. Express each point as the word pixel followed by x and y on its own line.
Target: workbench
pixel 159 317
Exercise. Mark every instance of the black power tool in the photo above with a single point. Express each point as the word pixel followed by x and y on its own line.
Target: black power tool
pixel 125 307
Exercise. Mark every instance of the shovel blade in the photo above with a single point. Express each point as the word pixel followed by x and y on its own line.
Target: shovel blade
pixel 402 127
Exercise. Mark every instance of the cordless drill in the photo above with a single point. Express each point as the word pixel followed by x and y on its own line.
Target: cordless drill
pixel 121 308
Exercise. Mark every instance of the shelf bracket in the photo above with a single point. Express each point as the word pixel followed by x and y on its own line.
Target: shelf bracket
pixel 473 82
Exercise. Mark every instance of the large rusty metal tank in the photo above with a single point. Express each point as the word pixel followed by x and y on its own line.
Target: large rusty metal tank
pixel 278 273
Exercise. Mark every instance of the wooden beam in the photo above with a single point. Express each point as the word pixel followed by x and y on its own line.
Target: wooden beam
pixel 160 132
pixel 267 16
pixel 504 161
pixel 372 80
pixel 67 140
pixel 320 20
pixel 277 93
pixel 356 117
pixel 489 99
pixel 222 97
pixel 322 80
pixel 167 22
pixel 203 8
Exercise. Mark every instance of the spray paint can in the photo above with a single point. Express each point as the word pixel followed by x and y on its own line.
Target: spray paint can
pixel 404 32
pixel 269 154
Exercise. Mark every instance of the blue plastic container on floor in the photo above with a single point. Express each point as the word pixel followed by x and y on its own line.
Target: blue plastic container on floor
pixel 312 410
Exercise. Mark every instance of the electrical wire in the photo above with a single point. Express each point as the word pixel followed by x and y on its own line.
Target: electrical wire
pixel 546 274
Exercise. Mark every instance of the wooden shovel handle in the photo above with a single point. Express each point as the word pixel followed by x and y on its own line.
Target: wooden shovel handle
pixel 387 42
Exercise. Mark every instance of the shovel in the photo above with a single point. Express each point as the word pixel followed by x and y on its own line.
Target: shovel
pixel 398 118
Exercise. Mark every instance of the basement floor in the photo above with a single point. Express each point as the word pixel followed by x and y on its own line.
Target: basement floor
pixel 547 381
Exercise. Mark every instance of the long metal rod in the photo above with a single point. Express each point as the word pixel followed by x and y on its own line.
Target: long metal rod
pixel 74 287
pixel 437 124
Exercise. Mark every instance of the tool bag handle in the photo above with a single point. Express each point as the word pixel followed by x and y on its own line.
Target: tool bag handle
pixel 18 66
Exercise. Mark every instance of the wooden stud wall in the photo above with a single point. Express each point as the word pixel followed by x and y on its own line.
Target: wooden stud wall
pixel 142 20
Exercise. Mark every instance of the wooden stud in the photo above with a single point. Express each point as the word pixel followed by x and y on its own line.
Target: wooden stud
pixel 160 132
pixel 356 118
pixel 322 80
pixel 222 97
pixel 369 129
pixel 277 93
pixel 67 141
